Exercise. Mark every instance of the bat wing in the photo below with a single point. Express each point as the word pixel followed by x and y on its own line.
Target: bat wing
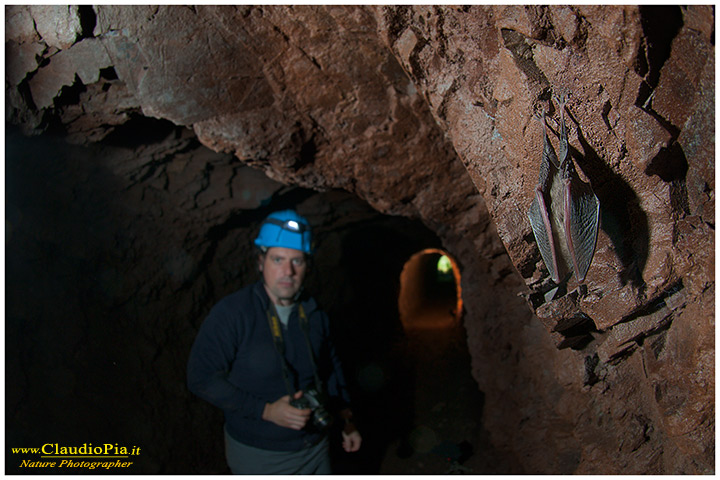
pixel 539 213
pixel 542 229
pixel 582 217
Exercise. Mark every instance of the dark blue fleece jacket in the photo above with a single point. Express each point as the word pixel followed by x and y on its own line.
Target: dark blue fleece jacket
pixel 234 365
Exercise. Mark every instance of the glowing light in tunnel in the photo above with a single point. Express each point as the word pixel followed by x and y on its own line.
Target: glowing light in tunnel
pixel 444 265
pixel 412 293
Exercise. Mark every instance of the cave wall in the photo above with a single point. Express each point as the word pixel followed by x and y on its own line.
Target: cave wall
pixel 427 113
pixel 640 82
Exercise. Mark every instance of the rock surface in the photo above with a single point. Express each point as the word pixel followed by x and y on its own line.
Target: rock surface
pixel 428 113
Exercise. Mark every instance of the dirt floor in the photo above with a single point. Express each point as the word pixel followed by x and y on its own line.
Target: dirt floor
pixel 446 436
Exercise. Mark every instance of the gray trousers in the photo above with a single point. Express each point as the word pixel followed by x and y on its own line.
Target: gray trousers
pixel 246 460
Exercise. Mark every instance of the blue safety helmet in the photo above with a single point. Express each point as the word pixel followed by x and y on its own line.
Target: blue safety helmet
pixel 285 229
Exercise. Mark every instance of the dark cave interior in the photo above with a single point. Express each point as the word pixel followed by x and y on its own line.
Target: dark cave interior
pixel 107 282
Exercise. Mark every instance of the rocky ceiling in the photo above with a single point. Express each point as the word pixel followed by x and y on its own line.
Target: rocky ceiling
pixel 426 113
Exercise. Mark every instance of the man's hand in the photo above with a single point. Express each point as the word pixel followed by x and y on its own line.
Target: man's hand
pixel 280 412
pixel 351 441
pixel 351 437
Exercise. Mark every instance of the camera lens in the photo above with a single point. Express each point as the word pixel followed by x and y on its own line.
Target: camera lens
pixel 321 418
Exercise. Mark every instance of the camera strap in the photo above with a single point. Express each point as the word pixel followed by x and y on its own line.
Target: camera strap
pixel 279 343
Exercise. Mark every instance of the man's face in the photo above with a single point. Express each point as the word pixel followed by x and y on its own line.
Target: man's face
pixel 283 272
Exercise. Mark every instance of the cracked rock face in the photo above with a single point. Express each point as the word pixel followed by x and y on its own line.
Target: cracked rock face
pixel 423 112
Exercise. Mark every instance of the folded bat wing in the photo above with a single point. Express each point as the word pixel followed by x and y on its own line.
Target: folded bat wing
pixel 539 213
pixel 582 217
pixel 542 229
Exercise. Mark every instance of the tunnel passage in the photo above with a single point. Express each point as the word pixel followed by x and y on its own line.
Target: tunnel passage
pixel 430 295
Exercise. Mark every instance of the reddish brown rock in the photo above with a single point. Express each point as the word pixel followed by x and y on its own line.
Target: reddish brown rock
pixel 84 59
pixel 19 25
pixel 21 59
pixel 58 25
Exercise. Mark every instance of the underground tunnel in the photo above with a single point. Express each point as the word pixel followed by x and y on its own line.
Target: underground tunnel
pixel 144 145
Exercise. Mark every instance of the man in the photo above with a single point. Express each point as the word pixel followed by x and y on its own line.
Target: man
pixel 264 356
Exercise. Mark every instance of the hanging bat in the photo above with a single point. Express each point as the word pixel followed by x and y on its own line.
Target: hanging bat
pixel 565 212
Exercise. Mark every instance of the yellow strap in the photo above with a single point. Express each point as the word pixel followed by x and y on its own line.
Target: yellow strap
pixel 303 318
pixel 274 325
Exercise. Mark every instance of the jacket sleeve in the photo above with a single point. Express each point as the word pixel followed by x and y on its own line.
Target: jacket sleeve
pixel 211 358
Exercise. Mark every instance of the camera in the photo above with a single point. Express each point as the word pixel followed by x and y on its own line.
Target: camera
pixel 314 400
